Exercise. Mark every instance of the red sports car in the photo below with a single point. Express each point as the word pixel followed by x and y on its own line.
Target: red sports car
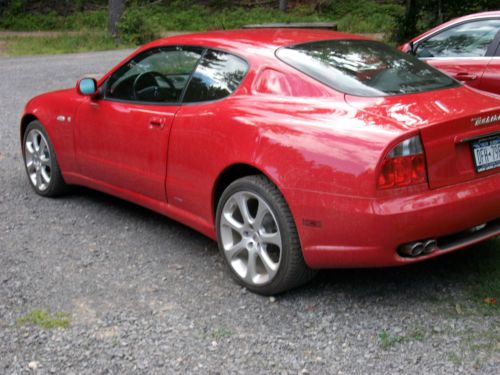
pixel 466 48
pixel 295 149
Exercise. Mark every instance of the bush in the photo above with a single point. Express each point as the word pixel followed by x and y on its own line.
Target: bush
pixel 136 27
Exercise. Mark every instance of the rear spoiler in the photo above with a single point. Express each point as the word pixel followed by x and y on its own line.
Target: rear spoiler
pixel 294 25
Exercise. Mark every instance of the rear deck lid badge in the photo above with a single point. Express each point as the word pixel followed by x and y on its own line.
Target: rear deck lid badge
pixel 485 120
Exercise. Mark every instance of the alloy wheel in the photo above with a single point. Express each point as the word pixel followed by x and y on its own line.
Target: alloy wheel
pixel 251 238
pixel 38 159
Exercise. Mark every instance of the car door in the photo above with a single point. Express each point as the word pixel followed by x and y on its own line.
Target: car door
pixel 462 51
pixel 203 136
pixel 121 139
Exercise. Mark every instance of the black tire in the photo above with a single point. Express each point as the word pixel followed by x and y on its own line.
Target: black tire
pixel 56 186
pixel 292 270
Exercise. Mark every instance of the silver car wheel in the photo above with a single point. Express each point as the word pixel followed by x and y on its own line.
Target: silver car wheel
pixel 38 159
pixel 251 238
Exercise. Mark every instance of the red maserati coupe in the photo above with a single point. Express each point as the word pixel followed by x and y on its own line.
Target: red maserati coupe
pixel 466 48
pixel 294 149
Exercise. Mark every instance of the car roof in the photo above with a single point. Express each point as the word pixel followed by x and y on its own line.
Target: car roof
pixel 249 41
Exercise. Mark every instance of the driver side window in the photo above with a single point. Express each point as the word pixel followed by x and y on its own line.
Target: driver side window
pixel 158 75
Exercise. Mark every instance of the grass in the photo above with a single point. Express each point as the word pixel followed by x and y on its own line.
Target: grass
pixel 220 333
pixel 64 43
pixel 388 341
pixel 44 320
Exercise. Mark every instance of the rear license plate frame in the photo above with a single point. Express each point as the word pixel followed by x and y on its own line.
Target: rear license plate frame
pixel 482 144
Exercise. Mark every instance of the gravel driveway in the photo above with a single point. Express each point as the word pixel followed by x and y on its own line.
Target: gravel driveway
pixel 146 295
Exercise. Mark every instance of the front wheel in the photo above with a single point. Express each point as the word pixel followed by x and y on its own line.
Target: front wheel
pixel 258 238
pixel 40 161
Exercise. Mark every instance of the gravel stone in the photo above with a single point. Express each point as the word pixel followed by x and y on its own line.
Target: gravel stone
pixel 147 295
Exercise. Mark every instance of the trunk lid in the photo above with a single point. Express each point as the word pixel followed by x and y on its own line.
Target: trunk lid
pixel 449 121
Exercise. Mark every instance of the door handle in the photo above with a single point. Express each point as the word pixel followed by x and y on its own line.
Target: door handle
pixel 157 122
pixel 465 77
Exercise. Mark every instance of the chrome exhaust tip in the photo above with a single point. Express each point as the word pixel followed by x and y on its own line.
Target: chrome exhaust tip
pixel 430 246
pixel 412 249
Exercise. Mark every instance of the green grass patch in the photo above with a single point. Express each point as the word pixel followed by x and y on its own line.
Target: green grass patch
pixel 44 320
pixel 388 341
pixel 220 333
pixel 65 43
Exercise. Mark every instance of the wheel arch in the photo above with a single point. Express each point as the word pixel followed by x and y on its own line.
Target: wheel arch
pixel 25 121
pixel 230 174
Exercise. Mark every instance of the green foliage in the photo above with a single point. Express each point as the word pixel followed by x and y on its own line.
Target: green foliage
pixel 143 20
pixel 52 21
pixel 44 320
pixel 17 7
pixel 137 26
pixel 368 16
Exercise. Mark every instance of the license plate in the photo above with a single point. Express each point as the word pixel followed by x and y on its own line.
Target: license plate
pixel 486 153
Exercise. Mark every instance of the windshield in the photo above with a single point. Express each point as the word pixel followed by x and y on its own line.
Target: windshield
pixel 364 68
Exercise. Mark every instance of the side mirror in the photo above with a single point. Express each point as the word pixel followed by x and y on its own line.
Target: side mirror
pixel 87 86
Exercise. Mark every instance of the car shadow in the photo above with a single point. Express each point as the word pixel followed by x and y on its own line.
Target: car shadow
pixel 465 272
pixel 449 274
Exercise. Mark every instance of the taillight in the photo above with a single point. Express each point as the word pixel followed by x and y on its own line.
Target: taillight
pixel 404 165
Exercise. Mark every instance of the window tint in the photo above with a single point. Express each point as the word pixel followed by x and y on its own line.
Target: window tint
pixel 216 77
pixel 363 67
pixel 157 75
pixel 470 39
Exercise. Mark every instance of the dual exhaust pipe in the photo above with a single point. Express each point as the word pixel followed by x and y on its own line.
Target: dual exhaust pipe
pixel 417 248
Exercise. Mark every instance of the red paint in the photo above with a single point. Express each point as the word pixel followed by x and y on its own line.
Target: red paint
pixel 323 150
pixel 479 72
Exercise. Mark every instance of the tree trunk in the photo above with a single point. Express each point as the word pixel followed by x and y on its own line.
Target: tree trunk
pixel 115 12
pixel 411 13
pixel 440 12
pixel 283 5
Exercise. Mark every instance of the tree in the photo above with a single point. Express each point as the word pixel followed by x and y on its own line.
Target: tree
pixel 283 5
pixel 115 12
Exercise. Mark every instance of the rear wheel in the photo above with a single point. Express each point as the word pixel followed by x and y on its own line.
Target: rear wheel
pixel 258 238
pixel 40 161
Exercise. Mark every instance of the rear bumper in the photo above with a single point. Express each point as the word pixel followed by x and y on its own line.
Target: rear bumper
pixel 359 232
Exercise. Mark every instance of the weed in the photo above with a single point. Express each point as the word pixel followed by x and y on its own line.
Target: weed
pixel 454 358
pixel 388 341
pixel 44 320
pixel 220 333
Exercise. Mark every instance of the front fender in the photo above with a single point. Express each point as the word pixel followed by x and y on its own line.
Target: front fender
pixel 55 110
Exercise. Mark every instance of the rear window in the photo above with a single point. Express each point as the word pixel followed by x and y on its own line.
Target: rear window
pixel 364 68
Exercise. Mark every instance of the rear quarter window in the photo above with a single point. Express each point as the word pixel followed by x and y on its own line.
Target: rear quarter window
pixel 217 75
